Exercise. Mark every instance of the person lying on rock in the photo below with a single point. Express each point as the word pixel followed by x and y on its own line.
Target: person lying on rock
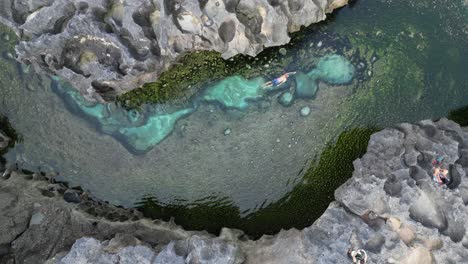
pixel 278 81
pixel 440 175
pixel 358 256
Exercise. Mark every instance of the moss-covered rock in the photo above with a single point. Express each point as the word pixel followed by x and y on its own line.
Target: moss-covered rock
pixel 191 73
pixel 197 70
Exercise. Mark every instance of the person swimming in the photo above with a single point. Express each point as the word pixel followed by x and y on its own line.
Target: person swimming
pixel 278 81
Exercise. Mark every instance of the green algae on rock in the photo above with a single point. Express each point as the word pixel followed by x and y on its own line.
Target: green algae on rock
pixel 325 174
pixel 193 72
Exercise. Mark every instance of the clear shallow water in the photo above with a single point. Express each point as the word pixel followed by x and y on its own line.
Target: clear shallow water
pixel 141 133
pixel 410 63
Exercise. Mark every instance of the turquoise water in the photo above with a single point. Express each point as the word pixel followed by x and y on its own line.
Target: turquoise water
pixel 233 92
pixel 236 156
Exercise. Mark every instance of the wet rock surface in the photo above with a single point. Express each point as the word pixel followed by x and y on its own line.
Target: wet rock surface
pixel 416 221
pixel 36 223
pixel 4 141
pixel 105 48
pixel 393 180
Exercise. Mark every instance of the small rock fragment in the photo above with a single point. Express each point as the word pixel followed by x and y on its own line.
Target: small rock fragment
pixel 286 98
pixel 71 196
pixel 36 219
pixel 418 255
pixel 38 177
pixel 407 234
pixel 433 244
pixel 283 51
pixel 25 68
pixel 7 173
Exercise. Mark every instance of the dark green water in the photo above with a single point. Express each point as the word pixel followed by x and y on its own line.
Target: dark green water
pixel 411 60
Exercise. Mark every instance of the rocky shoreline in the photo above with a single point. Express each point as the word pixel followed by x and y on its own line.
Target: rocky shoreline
pixel 105 48
pixel 390 207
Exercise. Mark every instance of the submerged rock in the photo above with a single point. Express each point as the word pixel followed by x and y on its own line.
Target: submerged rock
pixel 286 99
pixel 139 137
pixel 157 127
pixel 107 48
pixel 235 92
pixel 306 87
pixel 332 69
pixel 283 51
pixel 305 111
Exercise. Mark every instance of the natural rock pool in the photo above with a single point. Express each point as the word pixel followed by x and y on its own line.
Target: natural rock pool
pixel 238 155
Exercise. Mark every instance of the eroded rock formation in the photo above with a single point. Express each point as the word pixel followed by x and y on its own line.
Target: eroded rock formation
pixel 391 207
pixel 107 47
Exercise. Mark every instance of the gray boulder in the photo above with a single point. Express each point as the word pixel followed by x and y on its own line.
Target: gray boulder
pixel 194 250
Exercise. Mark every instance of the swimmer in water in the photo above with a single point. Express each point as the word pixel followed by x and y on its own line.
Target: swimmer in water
pixel 278 81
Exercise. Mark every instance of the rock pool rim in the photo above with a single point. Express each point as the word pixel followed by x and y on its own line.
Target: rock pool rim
pixel 199 217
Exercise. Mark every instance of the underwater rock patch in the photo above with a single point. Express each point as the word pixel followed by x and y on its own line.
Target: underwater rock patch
pixel 141 132
pixel 156 128
pixel 286 98
pixel 332 69
pixel 305 111
pixel 235 92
